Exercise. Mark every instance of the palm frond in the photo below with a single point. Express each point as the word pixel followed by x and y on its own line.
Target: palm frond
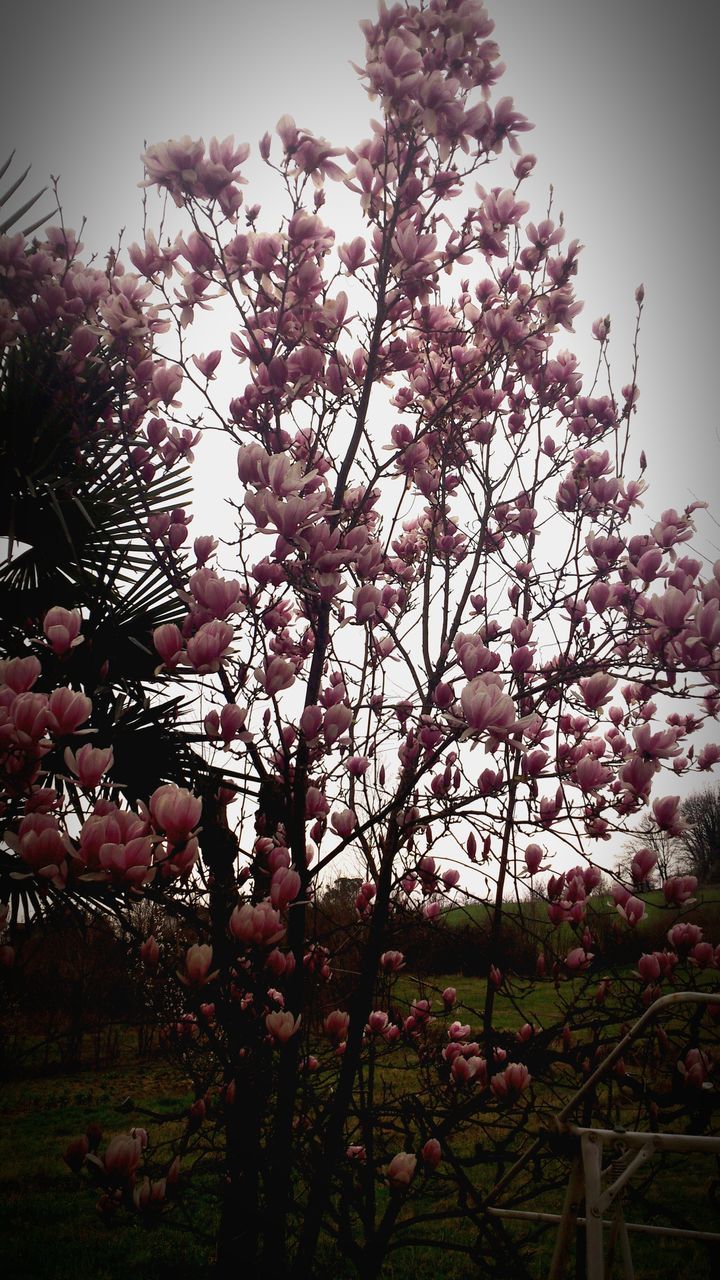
pixel 10 221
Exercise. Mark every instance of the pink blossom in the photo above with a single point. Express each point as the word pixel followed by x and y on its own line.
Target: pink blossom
pixel 667 816
pixel 62 629
pixel 596 689
pixel 695 1068
pixel 175 811
pixel 284 887
pixel 357 765
pixel 431 1154
pixel 232 721
pixel 366 600
pixel 533 857
pixel 282 1026
pixel 256 925
pixel 578 959
pixel 392 961
pixel 207 648
pixel 401 1170
pixel 458 1031
pixel 465 1069
pixel 449 996
pixel 122 1157
pixel 276 676
pixel 683 936
pixel 486 708
pixel 642 865
pixel 43 847
pixel 311 721
pixel 68 710
pixel 150 954
pixel 198 965
pixel 89 764
pixel 19 674
pixel 510 1083
pixel 343 822
pixel 703 955
pixel 679 889
pixel 633 909
pixel 649 967
pixel 316 804
pixel 337 720
pixel 336 1025
pixel 377 1022
pixel 127 863
pixel 219 595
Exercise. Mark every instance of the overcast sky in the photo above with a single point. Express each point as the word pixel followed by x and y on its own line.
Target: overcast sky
pixel 624 95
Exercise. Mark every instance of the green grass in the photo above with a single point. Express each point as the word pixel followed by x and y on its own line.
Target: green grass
pixel 50 1229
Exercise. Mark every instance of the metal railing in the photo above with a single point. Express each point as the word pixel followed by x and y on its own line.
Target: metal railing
pixel 631 1150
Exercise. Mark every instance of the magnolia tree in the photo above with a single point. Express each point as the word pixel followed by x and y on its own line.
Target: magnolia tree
pixel 433 648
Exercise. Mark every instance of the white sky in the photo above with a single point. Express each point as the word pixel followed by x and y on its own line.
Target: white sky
pixel 624 95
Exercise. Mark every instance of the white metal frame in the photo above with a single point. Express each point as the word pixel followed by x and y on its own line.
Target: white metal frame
pixel 630 1151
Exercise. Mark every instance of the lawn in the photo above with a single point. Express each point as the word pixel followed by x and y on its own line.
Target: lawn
pixel 51 1229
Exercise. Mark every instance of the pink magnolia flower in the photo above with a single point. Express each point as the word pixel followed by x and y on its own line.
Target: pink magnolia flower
pixel 357 765
pixel 43 847
pixel 198 966
pixel 392 961
pixel 344 823
pixel 486 708
pixel 207 648
pixel 127 863
pixel 276 676
pixel 703 955
pixel 68 709
pixel 316 804
pixel 633 909
pixel 62 629
pixel 150 953
pixel 282 1026
pixel 667 815
pixel 510 1083
pixel 219 595
pixel 256 925
pixel 336 1025
pixel 377 1022
pixel 284 887
pixel 683 936
pixel 642 865
pixel 578 959
pixel 401 1170
pixel 19 674
pixel 431 1154
pixel 449 996
pixel 465 1069
pixel 458 1031
pixel 175 811
pixel 679 889
pixel 596 689
pixel 366 600
pixel 122 1157
pixel 89 764
pixel 695 1068
pixel 338 719
pixel 649 967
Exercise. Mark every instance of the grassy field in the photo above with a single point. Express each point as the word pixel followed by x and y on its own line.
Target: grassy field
pixel 50 1228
